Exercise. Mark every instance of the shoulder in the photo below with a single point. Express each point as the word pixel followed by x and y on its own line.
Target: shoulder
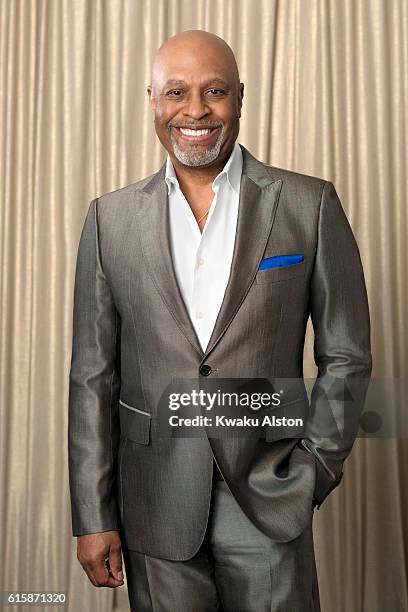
pixel 298 179
pixel 123 194
pixel 116 206
pixel 296 185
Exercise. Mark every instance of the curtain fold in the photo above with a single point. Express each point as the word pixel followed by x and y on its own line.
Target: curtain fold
pixel 326 86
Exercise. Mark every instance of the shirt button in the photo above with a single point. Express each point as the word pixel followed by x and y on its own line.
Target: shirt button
pixel 205 370
pixel 200 261
pixel 199 315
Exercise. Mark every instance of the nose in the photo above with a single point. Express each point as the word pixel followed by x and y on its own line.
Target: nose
pixel 196 106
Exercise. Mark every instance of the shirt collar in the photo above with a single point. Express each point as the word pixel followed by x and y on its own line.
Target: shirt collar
pixel 231 172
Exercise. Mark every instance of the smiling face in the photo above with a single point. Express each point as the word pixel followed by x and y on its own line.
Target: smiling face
pixel 196 98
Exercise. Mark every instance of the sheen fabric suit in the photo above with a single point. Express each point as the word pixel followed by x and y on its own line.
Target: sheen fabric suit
pixel 132 336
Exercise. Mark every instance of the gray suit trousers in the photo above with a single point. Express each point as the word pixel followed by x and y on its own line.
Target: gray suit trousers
pixel 237 569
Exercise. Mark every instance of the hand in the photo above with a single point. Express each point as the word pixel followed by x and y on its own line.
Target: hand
pixel 92 549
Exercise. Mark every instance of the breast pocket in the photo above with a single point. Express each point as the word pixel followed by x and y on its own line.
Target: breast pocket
pixel 280 273
pixel 134 423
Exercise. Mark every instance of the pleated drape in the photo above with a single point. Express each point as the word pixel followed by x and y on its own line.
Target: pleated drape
pixel 326 85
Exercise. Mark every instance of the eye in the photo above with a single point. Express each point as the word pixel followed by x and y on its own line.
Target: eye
pixel 216 92
pixel 175 93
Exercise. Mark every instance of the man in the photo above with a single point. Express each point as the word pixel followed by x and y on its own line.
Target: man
pixel 209 270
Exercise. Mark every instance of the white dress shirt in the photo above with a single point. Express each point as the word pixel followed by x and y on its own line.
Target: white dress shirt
pixel 202 261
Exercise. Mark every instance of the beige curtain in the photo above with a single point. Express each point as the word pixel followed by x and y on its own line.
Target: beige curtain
pixel 326 94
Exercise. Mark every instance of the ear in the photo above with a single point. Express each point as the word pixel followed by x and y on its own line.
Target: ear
pixel 152 99
pixel 240 97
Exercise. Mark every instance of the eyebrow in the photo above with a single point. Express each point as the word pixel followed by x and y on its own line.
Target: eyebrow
pixel 215 80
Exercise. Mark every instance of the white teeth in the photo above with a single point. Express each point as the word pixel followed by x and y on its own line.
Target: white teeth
pixel 187 132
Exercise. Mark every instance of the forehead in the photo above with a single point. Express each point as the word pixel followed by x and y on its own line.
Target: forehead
pixel 193 68
pixel 199 80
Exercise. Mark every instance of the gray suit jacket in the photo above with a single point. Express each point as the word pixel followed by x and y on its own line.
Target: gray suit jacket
pixel 132 335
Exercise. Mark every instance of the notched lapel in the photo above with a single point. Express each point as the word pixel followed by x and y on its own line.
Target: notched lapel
pixel 257 210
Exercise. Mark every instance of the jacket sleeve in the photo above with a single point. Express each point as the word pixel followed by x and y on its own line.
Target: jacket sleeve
pixel 94 383
pixel 340 316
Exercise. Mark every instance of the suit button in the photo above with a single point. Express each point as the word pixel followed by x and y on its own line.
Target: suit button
pixel 205 370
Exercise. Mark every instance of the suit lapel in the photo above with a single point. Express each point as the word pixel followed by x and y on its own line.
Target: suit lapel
pixel 259 196
pixel 154 230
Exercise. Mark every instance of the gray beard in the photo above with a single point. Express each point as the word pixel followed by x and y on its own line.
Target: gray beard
pixel 198 157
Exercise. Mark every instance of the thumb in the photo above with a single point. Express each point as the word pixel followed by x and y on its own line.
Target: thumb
pixel 115 562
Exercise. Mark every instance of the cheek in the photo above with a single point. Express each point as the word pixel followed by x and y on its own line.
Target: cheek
pixel 161 120
pixel 231 118
pixel 160 123
pixel 159 113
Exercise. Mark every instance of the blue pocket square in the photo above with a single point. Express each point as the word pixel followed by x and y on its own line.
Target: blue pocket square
pixel 280 260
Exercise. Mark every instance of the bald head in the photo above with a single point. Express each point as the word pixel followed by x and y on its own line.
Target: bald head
pixel 192 43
